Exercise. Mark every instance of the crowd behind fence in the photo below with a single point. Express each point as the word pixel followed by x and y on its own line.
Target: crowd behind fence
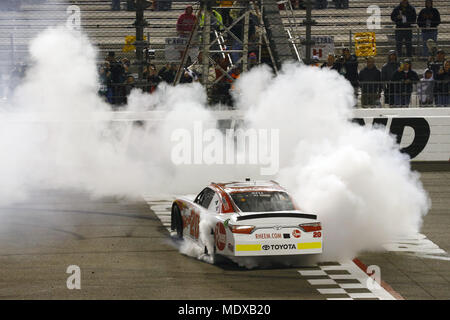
pixel 118 75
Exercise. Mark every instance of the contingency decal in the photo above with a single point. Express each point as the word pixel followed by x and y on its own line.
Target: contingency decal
pixel 220 235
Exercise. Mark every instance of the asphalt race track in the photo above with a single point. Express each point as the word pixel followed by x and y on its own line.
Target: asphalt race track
pixel 124 251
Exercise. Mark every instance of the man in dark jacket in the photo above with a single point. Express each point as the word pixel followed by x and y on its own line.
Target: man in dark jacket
pixel 349 67
pixel 404 79
pixel 168 72
pixel 428 21
pixel 370 81
pixel 442 88
pixel 387 71
pixel 117 78
pixel 404 16
pixel 437 63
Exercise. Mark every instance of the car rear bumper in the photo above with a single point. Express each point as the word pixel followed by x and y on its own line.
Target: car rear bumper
pixel 277 248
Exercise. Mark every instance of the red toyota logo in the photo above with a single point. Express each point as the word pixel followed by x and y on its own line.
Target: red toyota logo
pixel 296 233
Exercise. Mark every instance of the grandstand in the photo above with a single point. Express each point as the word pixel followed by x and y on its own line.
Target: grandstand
pixel 342 24
pixel 108 28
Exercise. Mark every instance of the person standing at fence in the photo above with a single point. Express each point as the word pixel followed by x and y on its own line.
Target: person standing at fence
pixel 117 78
pixel 428 21
pixel 404 16
pixel 437 63
pixel 425 89
pixel 387 71
pixel 403 79
pixel 370 81
pixel 349 67
pixel 443 86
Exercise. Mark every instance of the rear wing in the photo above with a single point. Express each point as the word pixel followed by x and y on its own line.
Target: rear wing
pixel 277 215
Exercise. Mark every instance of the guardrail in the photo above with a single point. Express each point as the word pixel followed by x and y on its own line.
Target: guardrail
pixel 377 94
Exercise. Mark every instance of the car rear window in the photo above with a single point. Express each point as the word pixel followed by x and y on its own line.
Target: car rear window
pixel 263 201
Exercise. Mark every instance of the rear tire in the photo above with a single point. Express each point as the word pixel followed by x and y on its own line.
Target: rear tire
pixel 177 222
pixel 216 258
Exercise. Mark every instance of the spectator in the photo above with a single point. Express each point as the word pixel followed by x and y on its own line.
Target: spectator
pixel 349 67
pixel 321 4
pixel 404 15
pixel 428 21
pixel 186 22
pixel 115 5
pixel 425 89
pixel 221 87
pixel 443 85
pixel 105 79
pixel 126 65
pixel 252 60
pixel 129 85
pixel 168 72
pixel 216 21
pixel 341 4
pixel 197 69
pixel 117 78
pixel 152 78
pixel 404 79
pixel 370 81
pixel 387 71
pixel 315 61
pixel 187 76
pixel 436 64
pixel 331 63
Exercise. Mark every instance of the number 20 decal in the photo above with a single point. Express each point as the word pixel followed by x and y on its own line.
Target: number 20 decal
pixel 317 234
pixel 194 225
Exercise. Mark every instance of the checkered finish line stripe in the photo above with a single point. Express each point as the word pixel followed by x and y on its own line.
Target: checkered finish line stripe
pixel 344 281
pixel 161 206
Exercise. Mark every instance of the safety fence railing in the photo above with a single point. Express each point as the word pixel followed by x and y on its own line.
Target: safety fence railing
pixel 392 94
pixel 115 86
pixel 406 93
pixel 377 94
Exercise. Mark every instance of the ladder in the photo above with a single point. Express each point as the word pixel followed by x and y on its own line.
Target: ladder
pixel 290 15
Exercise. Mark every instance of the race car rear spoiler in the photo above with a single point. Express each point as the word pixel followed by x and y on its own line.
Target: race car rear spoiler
pixel 277 215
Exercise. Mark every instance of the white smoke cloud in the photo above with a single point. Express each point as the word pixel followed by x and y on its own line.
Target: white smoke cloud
pixel 353 177
pixel 56 133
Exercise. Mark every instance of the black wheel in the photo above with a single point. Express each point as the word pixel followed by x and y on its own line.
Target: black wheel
pixel 176 221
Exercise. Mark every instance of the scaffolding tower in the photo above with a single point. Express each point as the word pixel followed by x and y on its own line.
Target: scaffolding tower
pixel 223 48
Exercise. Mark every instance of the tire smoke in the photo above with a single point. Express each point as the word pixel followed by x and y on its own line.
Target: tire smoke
pixel 57 133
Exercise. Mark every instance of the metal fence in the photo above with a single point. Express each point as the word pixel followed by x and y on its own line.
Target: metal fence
pixel 112 28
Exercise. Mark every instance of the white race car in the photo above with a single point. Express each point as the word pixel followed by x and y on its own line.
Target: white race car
pixel 248 219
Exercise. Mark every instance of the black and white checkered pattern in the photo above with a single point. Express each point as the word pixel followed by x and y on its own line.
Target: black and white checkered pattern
pixel 343 281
